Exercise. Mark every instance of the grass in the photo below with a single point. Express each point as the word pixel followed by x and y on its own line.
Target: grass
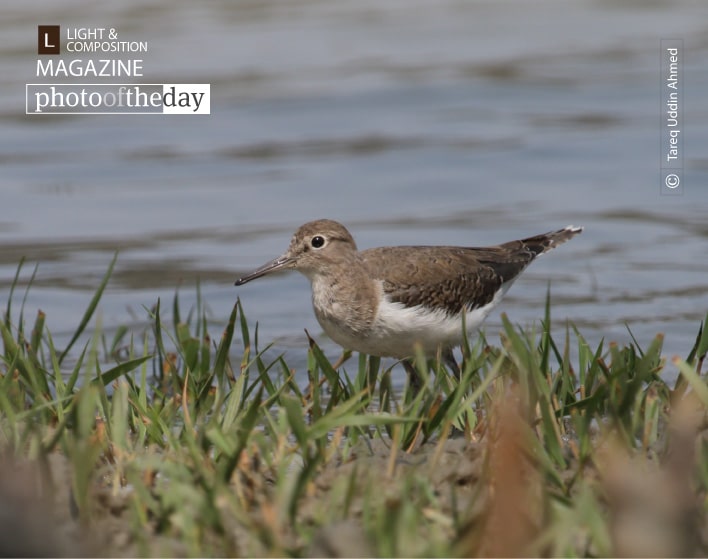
pixel 171 442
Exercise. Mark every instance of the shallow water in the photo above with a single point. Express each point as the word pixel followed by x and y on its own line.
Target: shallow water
pixel 430 122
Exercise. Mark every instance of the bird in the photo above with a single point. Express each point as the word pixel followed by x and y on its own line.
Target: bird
pixel 384 301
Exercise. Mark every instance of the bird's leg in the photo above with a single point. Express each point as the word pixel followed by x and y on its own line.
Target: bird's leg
pixel 414 380
pixel 449 360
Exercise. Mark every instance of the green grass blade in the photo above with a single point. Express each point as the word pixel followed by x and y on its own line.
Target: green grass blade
pixel 222 352
pixel 90 310
pixel 693 379
pixel 13 285
pixel 37 330
pixel 119 370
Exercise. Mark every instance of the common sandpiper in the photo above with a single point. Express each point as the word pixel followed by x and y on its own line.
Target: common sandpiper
pixel 383 301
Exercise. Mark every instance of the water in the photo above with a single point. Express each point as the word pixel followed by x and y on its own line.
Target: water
pixel 427 122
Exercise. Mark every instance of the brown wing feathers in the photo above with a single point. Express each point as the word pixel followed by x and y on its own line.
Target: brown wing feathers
pixel 455 277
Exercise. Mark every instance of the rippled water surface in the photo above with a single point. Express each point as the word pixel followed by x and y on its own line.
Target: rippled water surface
pixel 426 122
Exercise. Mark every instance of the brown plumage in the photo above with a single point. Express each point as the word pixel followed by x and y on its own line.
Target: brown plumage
pixel 454 278
pixel 382 301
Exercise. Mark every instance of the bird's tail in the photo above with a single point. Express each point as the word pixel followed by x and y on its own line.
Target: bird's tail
pixel 538 244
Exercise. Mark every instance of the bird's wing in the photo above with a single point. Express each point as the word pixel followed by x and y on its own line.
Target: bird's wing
pixel 452 278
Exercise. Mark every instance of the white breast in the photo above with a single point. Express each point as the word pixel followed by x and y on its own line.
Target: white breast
pixel 397 328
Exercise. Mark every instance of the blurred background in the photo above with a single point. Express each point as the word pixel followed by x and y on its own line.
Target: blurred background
pixel 411 122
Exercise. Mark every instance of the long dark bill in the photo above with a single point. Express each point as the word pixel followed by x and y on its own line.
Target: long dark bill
pixel 267 268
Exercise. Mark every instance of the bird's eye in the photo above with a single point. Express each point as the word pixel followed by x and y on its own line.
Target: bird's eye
pixel 317 241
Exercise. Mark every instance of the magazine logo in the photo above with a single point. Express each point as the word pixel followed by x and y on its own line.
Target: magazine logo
pixel 92 98
pixel 48 39
pixel 94 53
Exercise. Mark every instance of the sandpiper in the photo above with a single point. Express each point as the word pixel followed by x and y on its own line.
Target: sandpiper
pixel 383 301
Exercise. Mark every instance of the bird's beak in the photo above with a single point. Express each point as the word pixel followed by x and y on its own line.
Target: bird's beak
pixel 282 262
